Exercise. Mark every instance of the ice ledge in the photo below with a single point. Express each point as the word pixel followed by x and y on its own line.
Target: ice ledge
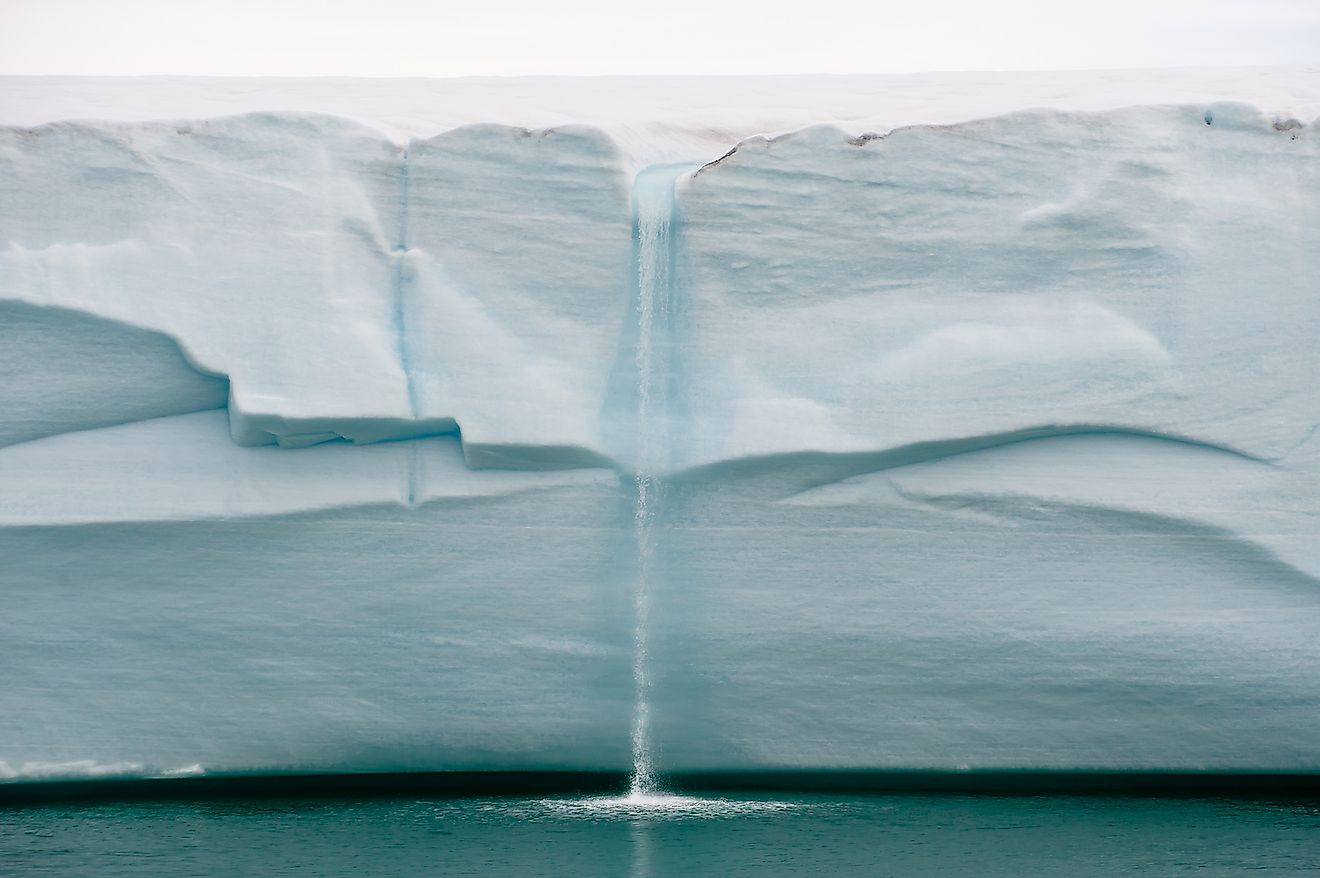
pixel 186 468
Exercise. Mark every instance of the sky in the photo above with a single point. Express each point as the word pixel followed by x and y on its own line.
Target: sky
pixel 677 37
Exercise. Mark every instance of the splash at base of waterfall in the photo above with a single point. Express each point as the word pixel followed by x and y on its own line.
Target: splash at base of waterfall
pixel 660 806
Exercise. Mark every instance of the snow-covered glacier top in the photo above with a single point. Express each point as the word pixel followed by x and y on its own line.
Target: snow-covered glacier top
pixel 656 119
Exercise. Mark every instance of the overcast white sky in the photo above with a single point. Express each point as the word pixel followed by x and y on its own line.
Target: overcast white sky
pixel 505 37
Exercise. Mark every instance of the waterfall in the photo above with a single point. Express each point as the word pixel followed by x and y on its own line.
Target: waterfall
pixel 643 768
pixel 654 206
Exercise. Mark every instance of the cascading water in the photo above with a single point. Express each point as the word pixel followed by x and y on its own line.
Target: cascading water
pixel 654 212
pixel 643 769
pixel 644 400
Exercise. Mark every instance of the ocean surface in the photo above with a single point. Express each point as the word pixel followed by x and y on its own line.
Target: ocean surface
pixel 821 835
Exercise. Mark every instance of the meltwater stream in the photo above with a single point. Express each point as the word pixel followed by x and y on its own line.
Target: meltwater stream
pixel 654 248
pixel 653 205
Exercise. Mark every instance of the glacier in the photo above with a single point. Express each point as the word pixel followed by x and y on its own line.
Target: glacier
pixel 859 423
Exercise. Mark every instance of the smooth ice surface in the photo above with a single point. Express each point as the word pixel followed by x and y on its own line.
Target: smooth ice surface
pixel 1147 269
pixel 359 608
pixel 65 370
pixel 1085 601
pixel 792 440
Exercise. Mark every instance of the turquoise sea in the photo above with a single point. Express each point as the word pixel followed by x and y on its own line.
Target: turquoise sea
pixel 729 835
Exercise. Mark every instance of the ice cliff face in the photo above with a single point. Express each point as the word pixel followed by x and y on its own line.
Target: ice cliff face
pixel 990 444
pixel 346 286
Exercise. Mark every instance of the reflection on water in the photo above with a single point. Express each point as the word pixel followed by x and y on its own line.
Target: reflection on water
pixel 639 833
pixel 642 810
pixel 661 836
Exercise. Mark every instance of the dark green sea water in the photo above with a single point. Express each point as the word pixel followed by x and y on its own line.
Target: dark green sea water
pixel 799 835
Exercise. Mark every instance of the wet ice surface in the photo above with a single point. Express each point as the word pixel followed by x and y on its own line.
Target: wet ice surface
pixel 666 835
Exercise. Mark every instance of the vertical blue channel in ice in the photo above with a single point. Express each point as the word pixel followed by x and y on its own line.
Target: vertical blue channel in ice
pixel 401 279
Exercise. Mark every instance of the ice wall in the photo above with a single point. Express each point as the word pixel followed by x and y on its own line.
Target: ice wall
pixel 348 287
pixel 1127 270
pixel 991 444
